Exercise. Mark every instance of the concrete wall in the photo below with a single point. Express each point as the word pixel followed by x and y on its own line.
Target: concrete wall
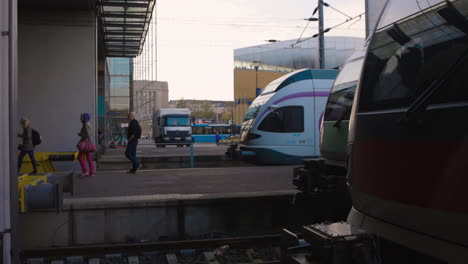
pixel 147 97
pixel 110 220
pixel 57 73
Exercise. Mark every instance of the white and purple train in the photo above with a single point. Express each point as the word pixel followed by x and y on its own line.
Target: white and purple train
pixel 282 124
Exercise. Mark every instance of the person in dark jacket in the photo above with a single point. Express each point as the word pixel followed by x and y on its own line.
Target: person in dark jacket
pixel 133 134
pixel 218 138
pixel 27 146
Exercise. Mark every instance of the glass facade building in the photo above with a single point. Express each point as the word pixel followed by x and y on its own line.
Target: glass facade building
pixel 131 86
pixel 120 73
pixel 118 97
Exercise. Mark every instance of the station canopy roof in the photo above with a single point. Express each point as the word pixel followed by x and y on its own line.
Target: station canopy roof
pixel 124 25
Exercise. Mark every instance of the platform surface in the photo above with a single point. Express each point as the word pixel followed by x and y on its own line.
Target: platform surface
pixel 147 149
pixel 185 181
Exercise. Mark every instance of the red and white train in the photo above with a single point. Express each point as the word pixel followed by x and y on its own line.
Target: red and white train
pixel 408 141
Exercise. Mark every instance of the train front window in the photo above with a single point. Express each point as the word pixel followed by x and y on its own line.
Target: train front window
pixel 339 103
pixel 251 113
pixel 341 96
pixel 350 73
pixel 177 121
pixel 405 58
pixel 398 9
pixel 288 119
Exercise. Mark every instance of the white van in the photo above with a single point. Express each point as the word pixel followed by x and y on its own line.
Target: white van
pixel 172 125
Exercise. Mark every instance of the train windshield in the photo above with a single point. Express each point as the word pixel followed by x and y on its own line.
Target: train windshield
pixel 341 96
pixel 408 56
pixel 252 113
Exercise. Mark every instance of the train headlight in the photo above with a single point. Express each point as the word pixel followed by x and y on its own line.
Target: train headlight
pixel 251 136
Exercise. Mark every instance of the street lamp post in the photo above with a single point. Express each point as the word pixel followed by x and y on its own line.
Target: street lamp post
pixel 256 65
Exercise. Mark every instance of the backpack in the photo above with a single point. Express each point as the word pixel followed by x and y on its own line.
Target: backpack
pixel 36 138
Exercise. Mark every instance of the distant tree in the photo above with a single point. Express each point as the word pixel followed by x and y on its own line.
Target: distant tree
pixel 204 111
pixel 182 103
pixel 226 116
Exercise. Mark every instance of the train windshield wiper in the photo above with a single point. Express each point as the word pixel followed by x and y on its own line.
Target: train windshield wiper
pixel 345 112
pixel 420 104
pixel 254 115
pixel 346 107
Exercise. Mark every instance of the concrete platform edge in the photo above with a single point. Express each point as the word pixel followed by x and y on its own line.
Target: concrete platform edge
pixel 158 200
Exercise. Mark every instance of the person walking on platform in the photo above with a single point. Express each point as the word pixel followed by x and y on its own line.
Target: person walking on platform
pixel 86 146
pixel 27 147
pixel 133 134
pixel 218 138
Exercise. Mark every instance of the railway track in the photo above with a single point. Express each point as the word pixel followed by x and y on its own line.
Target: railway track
pixel 237 250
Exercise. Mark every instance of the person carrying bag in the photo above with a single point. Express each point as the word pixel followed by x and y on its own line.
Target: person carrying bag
pixel 85 146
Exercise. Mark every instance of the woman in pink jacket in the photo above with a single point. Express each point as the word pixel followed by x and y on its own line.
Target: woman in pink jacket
pixel 86 135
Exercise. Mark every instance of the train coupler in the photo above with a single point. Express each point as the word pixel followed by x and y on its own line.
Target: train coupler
pixel 331 243
pixel 316 176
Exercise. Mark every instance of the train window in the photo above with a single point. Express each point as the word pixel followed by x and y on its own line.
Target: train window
pixel 339 103
pixel 398 9
pixel 350 73
pixel 405 59
pixel 208 131
pixel 456 90
pixel 197 130
pixel 288 119
pixel 252 112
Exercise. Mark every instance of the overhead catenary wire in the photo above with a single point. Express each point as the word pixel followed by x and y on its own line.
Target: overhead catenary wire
pixel 359 19
pixel 343 13
pixel 330 28
pixel 300 36
pixel 229 22
pixel 308 22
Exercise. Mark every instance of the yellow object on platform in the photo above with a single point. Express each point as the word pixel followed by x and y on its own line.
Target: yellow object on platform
pixel 230 140
pixel 44 164
pixel 25 180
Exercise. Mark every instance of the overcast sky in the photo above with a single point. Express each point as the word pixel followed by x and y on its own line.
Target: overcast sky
pixel 196 39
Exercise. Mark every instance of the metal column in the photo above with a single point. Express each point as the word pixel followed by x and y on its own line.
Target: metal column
pixel 8 141
pixel 13 109
pixel 321 37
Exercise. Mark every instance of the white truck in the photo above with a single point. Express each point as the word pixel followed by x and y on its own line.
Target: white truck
pixel 172 125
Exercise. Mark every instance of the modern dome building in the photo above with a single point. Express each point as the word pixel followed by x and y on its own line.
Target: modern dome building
pixel 279 58
pixel 292 55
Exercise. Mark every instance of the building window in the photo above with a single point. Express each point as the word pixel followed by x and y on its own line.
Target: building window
pixel 288 119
